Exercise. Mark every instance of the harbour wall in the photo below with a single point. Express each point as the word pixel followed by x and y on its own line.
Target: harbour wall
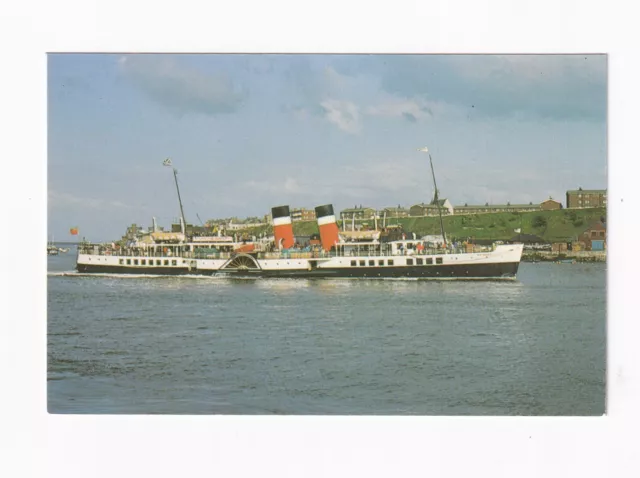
pixel 578 256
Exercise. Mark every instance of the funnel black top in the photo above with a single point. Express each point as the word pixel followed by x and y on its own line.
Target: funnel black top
pixel 324 211
pixel 280 211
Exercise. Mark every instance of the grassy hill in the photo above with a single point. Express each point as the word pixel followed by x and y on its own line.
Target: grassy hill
pixel 553 226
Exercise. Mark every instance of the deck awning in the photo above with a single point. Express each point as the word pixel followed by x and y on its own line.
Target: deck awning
pixel 350 235
pixel 168 236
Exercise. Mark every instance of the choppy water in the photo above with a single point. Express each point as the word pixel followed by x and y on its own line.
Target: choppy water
pixel 219 346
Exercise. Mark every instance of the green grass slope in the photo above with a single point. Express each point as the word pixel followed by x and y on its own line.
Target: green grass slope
pixel 552 226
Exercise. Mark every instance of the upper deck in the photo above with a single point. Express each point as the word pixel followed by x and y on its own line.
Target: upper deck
pixel 199 250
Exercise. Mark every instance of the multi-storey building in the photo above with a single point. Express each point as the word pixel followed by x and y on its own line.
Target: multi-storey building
pixel 586 198
pixel 432 208
pixel 357 213
pixel 393 212
pixel 302 214
pixel 489 208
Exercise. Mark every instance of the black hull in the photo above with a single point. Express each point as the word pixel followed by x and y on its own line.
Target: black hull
pixel 457 271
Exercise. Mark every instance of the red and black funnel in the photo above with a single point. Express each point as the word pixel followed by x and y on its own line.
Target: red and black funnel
pixel 329 233
pixel 282 227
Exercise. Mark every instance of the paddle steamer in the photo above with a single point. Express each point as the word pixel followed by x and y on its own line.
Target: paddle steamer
pixel 341 254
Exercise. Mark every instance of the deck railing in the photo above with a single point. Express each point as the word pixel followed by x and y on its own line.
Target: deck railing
pixel 103 250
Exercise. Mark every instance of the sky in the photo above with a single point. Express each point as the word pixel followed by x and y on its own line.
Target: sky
pixel 249 132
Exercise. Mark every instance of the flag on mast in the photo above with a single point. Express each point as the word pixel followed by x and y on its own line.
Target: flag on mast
pixel 167 162
pixel 74 231
pixel 424 150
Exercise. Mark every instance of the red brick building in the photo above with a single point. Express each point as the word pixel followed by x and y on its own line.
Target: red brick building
pixel 550 205
pixel 595 232
pixel 586 198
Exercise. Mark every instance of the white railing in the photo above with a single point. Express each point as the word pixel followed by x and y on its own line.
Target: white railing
pixel 103 250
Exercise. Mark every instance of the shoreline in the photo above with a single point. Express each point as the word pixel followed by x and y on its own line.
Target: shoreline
pixel 577 256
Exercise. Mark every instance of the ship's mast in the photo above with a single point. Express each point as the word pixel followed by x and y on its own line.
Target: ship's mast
pixel 167 162
pixel 435 195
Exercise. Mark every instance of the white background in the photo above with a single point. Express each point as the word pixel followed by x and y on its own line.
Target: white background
pixel 33 443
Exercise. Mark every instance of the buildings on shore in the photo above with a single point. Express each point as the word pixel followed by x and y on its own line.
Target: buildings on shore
pixel 302 214
pixel 445 207
pixel 586 198
pixel 578 198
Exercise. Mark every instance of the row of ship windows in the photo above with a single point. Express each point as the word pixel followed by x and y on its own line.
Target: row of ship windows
pixel 143 262
pixel 419 262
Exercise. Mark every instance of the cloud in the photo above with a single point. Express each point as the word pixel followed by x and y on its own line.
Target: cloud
pixel 181 89
pixel 534 86
pixel 344 114
pixel 60 199
pixel 318 90
pixel 289 185
pixel 391 175
pixel 410 110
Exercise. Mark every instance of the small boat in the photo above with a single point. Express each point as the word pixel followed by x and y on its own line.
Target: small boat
pixel 52 250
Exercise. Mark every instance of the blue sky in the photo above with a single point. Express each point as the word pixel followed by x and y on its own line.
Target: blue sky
pixel 248 132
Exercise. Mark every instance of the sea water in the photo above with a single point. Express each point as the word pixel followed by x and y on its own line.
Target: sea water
pixel 197 345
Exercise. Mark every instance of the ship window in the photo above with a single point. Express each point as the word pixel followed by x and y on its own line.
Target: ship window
pixel 166 262
pixel 158 262
pixel 390 262
pixel 174 262
pixel 353 263
pixel 429 260
pixel 438 260
pixel 372 263
pixel 419 262
pixel 135 262
pixel 121 261
pixel 144 262
pixel 128 262
pixel 362 263
pixel 409 262
pixel 381 262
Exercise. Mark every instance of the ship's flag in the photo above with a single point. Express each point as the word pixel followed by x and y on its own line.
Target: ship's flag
pixel 424 150
pixel 517 230
pixel 73 231
pixel 167 162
